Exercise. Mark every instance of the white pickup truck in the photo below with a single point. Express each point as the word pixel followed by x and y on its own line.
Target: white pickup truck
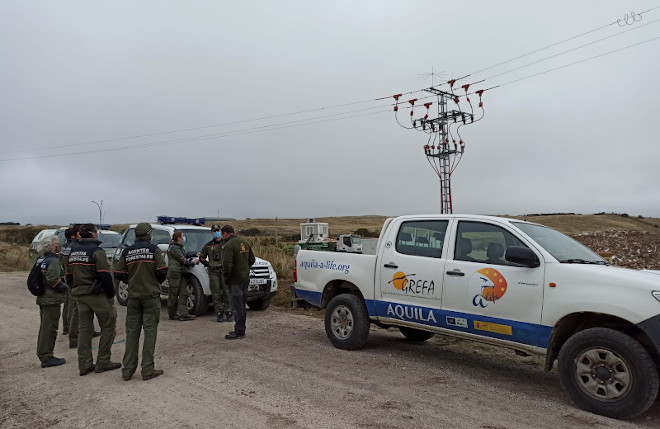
pixel 504 282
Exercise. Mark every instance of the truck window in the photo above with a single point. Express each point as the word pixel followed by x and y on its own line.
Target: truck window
pixel 159 236
pixel 483 242
pixel 422 238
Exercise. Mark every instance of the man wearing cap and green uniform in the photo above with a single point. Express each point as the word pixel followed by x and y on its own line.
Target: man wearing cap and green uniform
pixel 237 260
pixel 143 267
pixel 219 292
pixel 88 273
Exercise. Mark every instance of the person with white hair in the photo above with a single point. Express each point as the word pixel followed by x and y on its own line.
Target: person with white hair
pixel 50 300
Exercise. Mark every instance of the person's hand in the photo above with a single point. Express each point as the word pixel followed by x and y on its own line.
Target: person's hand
pixel 196 261
pixel 199 253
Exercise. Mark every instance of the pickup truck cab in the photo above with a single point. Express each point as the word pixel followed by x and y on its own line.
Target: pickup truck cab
pixel 504 282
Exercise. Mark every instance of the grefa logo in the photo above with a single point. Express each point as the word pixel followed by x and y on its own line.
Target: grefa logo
pixel 405 283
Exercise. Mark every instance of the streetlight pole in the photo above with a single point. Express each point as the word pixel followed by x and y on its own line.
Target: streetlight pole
pixel 100 206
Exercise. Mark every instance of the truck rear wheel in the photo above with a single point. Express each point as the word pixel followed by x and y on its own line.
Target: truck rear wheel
pixel 415 335
pixel 347 322
pixel 197 303
pixel 608 372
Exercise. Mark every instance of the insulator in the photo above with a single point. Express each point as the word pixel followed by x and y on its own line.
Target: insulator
pixel 412 102
pixel 427 105
pixel 465 87
pixel 396 97
pixel 455 99
pixel 396 108
pixel 452 82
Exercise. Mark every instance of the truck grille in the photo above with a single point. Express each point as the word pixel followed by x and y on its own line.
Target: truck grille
pixel 259 271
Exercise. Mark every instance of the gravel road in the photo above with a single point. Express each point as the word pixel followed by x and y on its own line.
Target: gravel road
pixel 285 374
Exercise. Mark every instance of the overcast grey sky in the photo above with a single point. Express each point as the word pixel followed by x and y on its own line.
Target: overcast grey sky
pixel 199 108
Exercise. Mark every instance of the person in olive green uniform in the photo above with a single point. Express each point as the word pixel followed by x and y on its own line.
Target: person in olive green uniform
pixel 237 260
pixel 177 298
pixel 142 266
pixel 49 302
pixel 219 291
pixel 72 236
pixel 93 289
pixel 67 310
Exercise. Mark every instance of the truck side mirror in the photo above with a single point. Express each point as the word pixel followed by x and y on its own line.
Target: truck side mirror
pixel 523 256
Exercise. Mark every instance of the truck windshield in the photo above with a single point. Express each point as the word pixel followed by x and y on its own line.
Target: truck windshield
pixel 562 247
pixel 356 239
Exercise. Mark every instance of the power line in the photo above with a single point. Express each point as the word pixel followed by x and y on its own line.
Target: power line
pixel 578 62
pixel 557 43
pixel 319 119
pixel 200 138
pixel 571 50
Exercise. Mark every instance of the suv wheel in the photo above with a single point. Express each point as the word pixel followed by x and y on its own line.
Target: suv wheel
pixel 196 303
pixel 121 290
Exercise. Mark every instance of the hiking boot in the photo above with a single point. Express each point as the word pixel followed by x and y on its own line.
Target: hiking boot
pixel 109 367
pixel 219 317
pixel 155 374
pixel 87 370
pixel 96 334
pixel 235 335
pixel 175 317
pixel 185 317
pixel 53 362
pixel 229 316
pixel 126 377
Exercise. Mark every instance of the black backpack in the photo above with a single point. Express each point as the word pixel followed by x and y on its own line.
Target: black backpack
pixel 35 280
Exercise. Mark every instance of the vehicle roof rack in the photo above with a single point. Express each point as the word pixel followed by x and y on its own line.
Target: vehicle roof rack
pixel 165 220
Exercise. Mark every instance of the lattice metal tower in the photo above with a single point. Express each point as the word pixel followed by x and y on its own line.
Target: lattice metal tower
pixel 443 154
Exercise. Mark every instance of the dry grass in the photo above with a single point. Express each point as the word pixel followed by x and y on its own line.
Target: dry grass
pixel 14 258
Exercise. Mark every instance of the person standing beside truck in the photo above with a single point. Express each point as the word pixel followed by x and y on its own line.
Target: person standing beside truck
pixel 63 256
pixel 177 299
pixel 211 257
pixel 50 300
pixel 237 260
pixel 92 287
pixel 143 267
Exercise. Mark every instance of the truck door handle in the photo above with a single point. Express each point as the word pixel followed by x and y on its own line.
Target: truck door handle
pixel 391 265
pixel 455 272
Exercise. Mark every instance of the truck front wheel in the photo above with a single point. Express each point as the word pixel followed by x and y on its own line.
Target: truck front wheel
pixel 608 372
pixel 197 303
pixel 347 322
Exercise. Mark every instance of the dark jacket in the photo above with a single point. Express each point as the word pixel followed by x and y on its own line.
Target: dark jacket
pixel 176 260
pixel 237 260
pixel 88 271
pixel 213 251
pixel 142 266
pixel 53 277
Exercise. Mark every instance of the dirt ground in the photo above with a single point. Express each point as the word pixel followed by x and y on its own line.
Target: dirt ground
pixel 285 374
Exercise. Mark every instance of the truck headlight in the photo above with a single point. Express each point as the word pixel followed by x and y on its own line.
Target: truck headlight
pixel 656 294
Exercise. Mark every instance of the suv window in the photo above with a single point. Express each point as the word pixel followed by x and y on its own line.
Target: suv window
pixel 422 238
pixel 483 242
pixel 129 239
pixel 160 236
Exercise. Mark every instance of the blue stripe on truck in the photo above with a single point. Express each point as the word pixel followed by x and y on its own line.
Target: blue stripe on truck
pixel 503 329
